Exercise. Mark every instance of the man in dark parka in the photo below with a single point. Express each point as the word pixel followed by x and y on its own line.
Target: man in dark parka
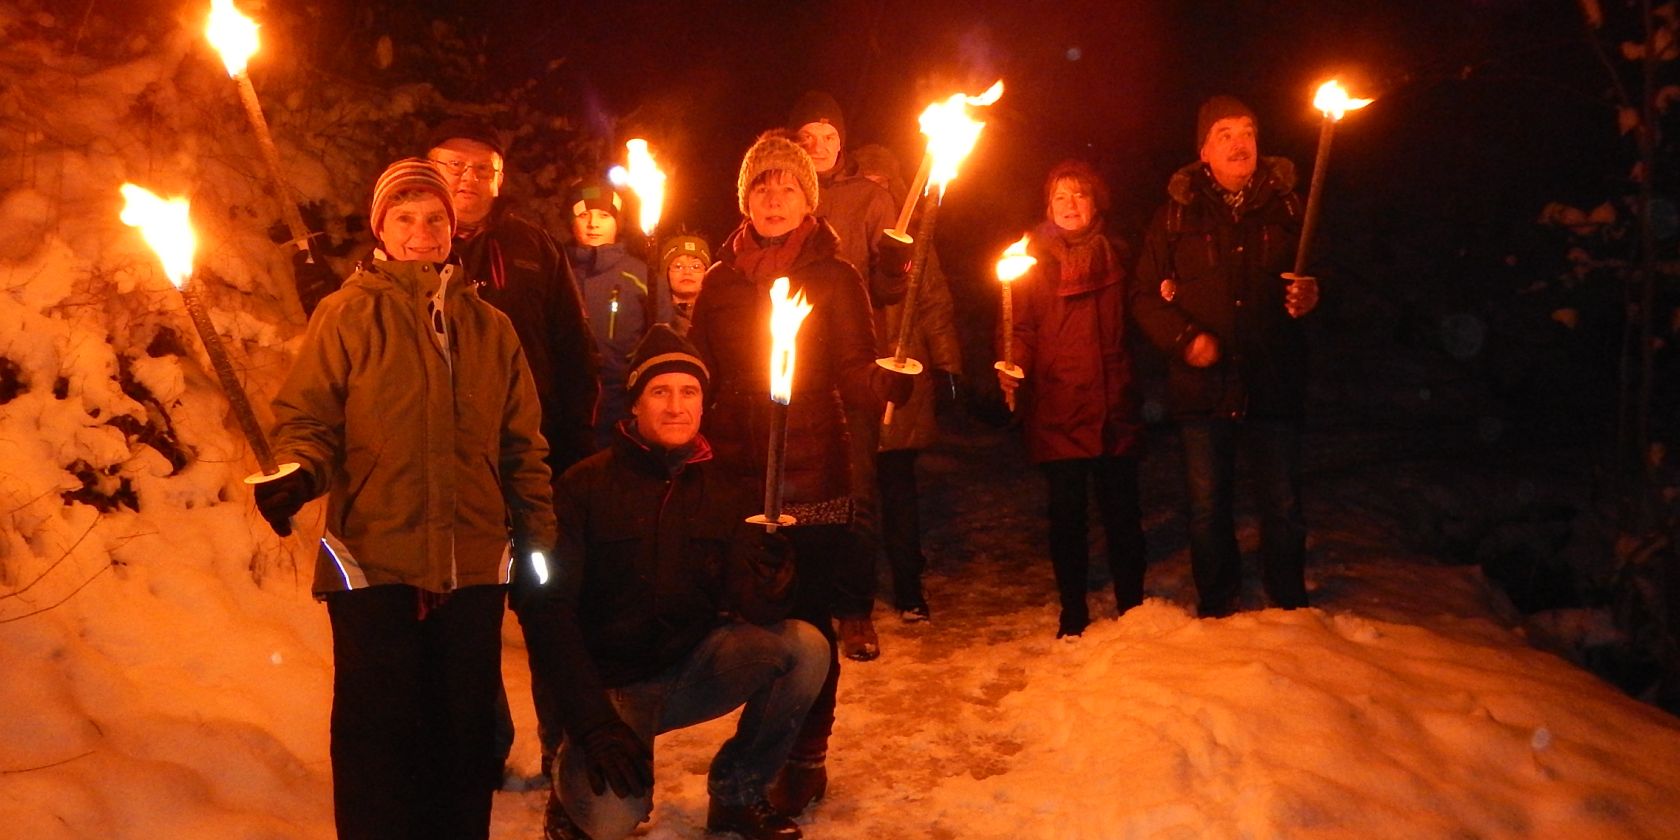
pixel 1214 294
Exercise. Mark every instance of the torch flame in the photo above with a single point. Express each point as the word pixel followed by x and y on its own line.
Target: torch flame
pixel 232 34
pixel 785 317
pixel 165 227
pixel 647 181
pixel 1335 102
pixel 1015 261
pixel 951 132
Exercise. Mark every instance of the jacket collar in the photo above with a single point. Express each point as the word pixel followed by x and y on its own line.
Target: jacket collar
pixel 657 459
pixel 591 259
pixel 1273 177
pixel 411 278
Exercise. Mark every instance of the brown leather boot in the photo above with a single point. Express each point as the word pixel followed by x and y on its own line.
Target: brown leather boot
pixel 858 640
pixel 754 821
pixel 798 785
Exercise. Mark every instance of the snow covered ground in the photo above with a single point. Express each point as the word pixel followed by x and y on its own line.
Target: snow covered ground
pixel 1403 705
pixel 165 674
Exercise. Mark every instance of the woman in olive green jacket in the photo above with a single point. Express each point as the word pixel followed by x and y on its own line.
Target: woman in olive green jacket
pixel 411 406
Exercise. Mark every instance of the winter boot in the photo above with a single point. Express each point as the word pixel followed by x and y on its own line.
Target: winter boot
pixel 858 640
pixel 754 821
pixel 800 783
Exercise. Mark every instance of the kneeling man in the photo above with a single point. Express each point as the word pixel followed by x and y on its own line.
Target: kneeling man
pixel 663 609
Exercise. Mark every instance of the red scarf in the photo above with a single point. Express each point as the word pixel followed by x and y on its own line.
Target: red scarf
pixel 1087 259
pixel 764 261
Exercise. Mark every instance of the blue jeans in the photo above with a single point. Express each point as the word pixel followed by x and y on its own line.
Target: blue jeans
pixel 776 670
pixel 1273 451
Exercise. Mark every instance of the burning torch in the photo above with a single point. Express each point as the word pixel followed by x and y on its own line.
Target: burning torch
pixel 951 135
pixel 645 179
pixel 786 315
pixel 1334 103
pixel 167 229
pixel 235 37
pixel 1014 263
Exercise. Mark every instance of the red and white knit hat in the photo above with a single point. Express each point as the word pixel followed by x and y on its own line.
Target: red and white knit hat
pixel 403 176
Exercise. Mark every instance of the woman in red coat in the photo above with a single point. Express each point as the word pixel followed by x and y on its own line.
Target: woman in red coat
pixel 1079 409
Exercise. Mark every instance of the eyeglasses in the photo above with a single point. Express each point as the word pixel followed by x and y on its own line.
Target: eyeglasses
pixel 457 168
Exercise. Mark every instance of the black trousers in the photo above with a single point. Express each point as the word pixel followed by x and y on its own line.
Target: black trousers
pixel 901 525
pixel 818 551
pixel 1116 480
pixel 414 712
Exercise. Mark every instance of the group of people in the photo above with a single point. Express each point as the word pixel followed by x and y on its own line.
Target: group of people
pixel 496 420
pixel 1213 291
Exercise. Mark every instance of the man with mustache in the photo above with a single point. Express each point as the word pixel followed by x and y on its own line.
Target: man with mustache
pixel 1214 293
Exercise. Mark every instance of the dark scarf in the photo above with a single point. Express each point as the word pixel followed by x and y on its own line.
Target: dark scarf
pixel 1233 200
pixel 763 260
pixel 1087 259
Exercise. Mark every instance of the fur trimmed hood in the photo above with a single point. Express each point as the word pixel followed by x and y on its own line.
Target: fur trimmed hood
pixel 1274 176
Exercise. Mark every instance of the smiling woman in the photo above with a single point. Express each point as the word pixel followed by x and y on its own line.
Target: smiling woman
pixel 776 189
pixel 413 217
pixel 420 514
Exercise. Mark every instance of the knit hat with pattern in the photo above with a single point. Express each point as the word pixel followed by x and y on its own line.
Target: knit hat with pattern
pixel 663 351
pixel 773 151
pixel 404 176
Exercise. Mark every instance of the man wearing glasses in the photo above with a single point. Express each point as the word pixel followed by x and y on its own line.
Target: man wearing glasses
pixel 521 272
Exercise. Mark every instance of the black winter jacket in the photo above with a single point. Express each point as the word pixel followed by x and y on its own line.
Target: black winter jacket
pixel 834 370
pixel 1227 266
pixel 520 271
pixel 654 553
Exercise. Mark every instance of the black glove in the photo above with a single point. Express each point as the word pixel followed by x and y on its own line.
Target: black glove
pixel 777 550
pixel 616 757
pixel 314 277
pixel 529 579
pixel 279 500
pixel 894 256
pixel 895 387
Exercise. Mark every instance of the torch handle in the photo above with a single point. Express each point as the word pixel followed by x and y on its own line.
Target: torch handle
pixel 1008 324
pixel 918 266
pixel 775 462
pixel 1315 193
pixel 288 207
pixel 914 195
pixel 237 398
pixel 655 282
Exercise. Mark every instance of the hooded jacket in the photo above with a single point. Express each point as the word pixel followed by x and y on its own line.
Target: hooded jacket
pixel 1226 265
pixel 426 457
pixel 834 367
